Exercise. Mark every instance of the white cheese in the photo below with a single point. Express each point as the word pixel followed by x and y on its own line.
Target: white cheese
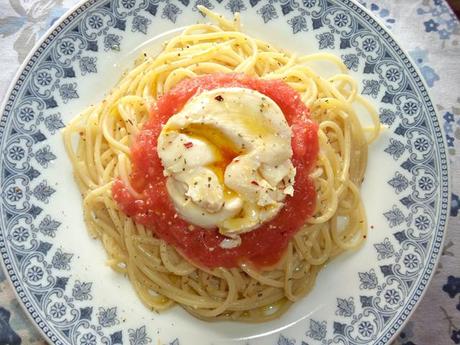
pixel 227 157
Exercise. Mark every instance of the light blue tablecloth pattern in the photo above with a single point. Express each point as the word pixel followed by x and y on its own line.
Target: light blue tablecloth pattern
pixel 427 29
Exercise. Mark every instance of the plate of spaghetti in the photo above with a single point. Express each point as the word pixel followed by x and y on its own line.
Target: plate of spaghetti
pixel 220 172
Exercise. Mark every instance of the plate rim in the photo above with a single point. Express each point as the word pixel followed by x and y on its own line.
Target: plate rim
pixel 82 5
pixel 444 148
pixel 440 230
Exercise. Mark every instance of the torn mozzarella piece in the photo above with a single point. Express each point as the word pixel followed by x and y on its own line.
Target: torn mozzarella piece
pixel 227 157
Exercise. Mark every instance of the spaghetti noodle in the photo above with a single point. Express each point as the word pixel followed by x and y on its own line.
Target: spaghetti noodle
pixel 160 275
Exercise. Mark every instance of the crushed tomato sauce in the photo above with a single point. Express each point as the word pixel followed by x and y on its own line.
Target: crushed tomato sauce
pixel 261 247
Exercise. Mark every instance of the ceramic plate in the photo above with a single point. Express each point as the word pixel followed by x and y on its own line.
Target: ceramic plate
pixel 59 272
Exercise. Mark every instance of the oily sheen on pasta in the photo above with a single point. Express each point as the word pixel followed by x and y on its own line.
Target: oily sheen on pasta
pixel 99 140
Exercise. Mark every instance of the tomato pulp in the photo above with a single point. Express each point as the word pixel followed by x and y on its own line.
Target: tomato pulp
pixel 261 247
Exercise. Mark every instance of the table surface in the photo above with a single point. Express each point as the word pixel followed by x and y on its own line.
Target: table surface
pixel 427 29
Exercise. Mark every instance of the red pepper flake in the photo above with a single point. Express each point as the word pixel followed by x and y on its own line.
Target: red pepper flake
pixel 254 182
pixel 188 144
pixel 219 98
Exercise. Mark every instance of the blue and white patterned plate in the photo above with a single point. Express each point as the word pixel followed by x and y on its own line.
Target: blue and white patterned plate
pixel 58 272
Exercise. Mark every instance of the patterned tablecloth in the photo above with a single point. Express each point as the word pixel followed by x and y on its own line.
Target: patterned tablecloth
pixel 427 29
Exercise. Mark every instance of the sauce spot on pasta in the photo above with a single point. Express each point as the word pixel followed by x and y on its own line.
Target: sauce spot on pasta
pixel 263 247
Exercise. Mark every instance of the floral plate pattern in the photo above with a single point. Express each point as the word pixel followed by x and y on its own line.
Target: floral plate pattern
pixel 53 278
